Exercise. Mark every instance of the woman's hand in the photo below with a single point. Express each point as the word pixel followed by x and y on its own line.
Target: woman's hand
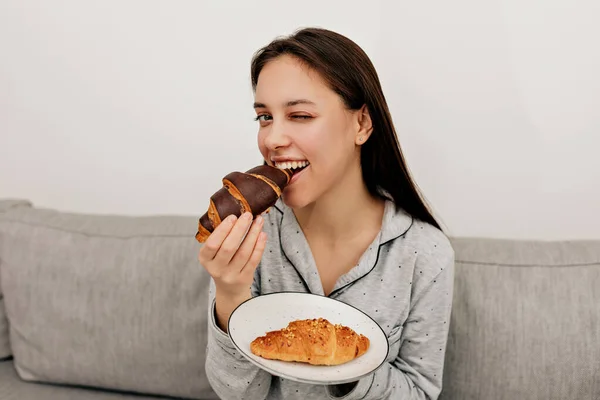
pixel 231 259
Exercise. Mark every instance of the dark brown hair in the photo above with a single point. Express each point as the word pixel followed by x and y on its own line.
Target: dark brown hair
pixel 349 72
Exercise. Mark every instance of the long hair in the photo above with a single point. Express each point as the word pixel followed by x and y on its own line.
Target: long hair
pixel 350 73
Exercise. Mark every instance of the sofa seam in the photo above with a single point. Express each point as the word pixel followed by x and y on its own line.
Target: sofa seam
pixel 93 234
pixel 593 263
pixel 501 264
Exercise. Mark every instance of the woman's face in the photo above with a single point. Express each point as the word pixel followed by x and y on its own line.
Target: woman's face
pixel 303 122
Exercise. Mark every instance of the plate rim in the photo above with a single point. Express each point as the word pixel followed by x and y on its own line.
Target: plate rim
pixel 302 380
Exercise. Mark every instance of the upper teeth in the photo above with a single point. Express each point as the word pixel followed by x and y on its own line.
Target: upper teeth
pixel 291 164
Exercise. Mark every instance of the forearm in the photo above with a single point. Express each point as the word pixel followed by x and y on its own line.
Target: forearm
pixel 224 307
pixel 229 373
pixel 231 376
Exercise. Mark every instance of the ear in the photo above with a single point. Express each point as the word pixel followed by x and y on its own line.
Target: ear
pixel 364 126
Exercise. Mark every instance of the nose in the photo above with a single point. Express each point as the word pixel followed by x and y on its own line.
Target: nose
pixel 276 136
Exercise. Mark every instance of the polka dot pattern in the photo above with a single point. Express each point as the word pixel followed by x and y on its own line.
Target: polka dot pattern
pixel 402 282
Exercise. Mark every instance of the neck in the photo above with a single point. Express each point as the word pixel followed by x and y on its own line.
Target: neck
pixel 333 220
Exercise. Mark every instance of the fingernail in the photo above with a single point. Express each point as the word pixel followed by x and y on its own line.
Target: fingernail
pixel 247 216
pixel 259 220
pixel 231 218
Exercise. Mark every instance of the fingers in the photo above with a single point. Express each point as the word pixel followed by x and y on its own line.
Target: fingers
pixel 215 240
pixel 232 242
pixel 235 248
pixel 245 251
pixel 256 255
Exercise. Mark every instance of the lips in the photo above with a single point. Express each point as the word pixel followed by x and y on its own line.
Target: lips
pixel 296 174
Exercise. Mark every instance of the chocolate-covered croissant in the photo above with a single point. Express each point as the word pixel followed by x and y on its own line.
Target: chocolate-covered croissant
pixel 255 190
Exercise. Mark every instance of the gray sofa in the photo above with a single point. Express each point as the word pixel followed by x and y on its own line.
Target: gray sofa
pixel 114 307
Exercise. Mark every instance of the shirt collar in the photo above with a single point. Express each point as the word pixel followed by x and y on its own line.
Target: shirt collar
pixel 296 249
pixel 396 221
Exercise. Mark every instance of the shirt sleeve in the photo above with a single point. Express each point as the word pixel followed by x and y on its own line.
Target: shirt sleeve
pixel 230 375
pixel 416 372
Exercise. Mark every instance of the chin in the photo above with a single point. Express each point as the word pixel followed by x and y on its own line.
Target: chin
pixel 296 199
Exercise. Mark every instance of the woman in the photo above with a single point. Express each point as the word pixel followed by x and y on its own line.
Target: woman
pixel 350 225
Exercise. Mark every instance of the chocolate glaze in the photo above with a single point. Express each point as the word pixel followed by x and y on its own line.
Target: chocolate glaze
pixel 226 204
pixel 205 222
pixel 257 192
pixel 274 174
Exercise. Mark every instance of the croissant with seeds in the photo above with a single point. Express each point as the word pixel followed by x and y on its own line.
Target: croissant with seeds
pixel 312 341
pixel 255 190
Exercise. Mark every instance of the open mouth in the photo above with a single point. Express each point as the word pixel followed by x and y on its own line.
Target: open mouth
pixel 295 166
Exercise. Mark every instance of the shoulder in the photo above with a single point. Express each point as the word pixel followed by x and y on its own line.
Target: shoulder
pixel 433 266
pixel 430 242
pixel 428 248
pixel 402 230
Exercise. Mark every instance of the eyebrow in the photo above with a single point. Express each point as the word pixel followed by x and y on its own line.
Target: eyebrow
pixel 288 104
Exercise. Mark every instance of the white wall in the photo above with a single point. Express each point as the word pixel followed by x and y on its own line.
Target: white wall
pixel 140 107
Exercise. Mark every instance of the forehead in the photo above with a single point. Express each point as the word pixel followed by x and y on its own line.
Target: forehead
pixel 286 78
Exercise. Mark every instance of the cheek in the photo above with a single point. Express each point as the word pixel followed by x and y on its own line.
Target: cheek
pixel 311 142
pixel 330 144
pixel 260 139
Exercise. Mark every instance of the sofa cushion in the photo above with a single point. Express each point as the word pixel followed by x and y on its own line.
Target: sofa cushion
pixel 525 322
pixel 105 301
pixel 13 388
pixel 5 351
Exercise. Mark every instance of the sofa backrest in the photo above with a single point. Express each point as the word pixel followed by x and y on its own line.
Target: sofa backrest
pixel 5 350
pixel 120 303
pixel 525 321
pixel 105 301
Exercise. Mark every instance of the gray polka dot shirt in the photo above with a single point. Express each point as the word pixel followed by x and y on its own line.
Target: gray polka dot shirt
pixel 404 281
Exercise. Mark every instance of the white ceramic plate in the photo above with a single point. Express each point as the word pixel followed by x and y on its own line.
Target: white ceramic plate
pixel 269 312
